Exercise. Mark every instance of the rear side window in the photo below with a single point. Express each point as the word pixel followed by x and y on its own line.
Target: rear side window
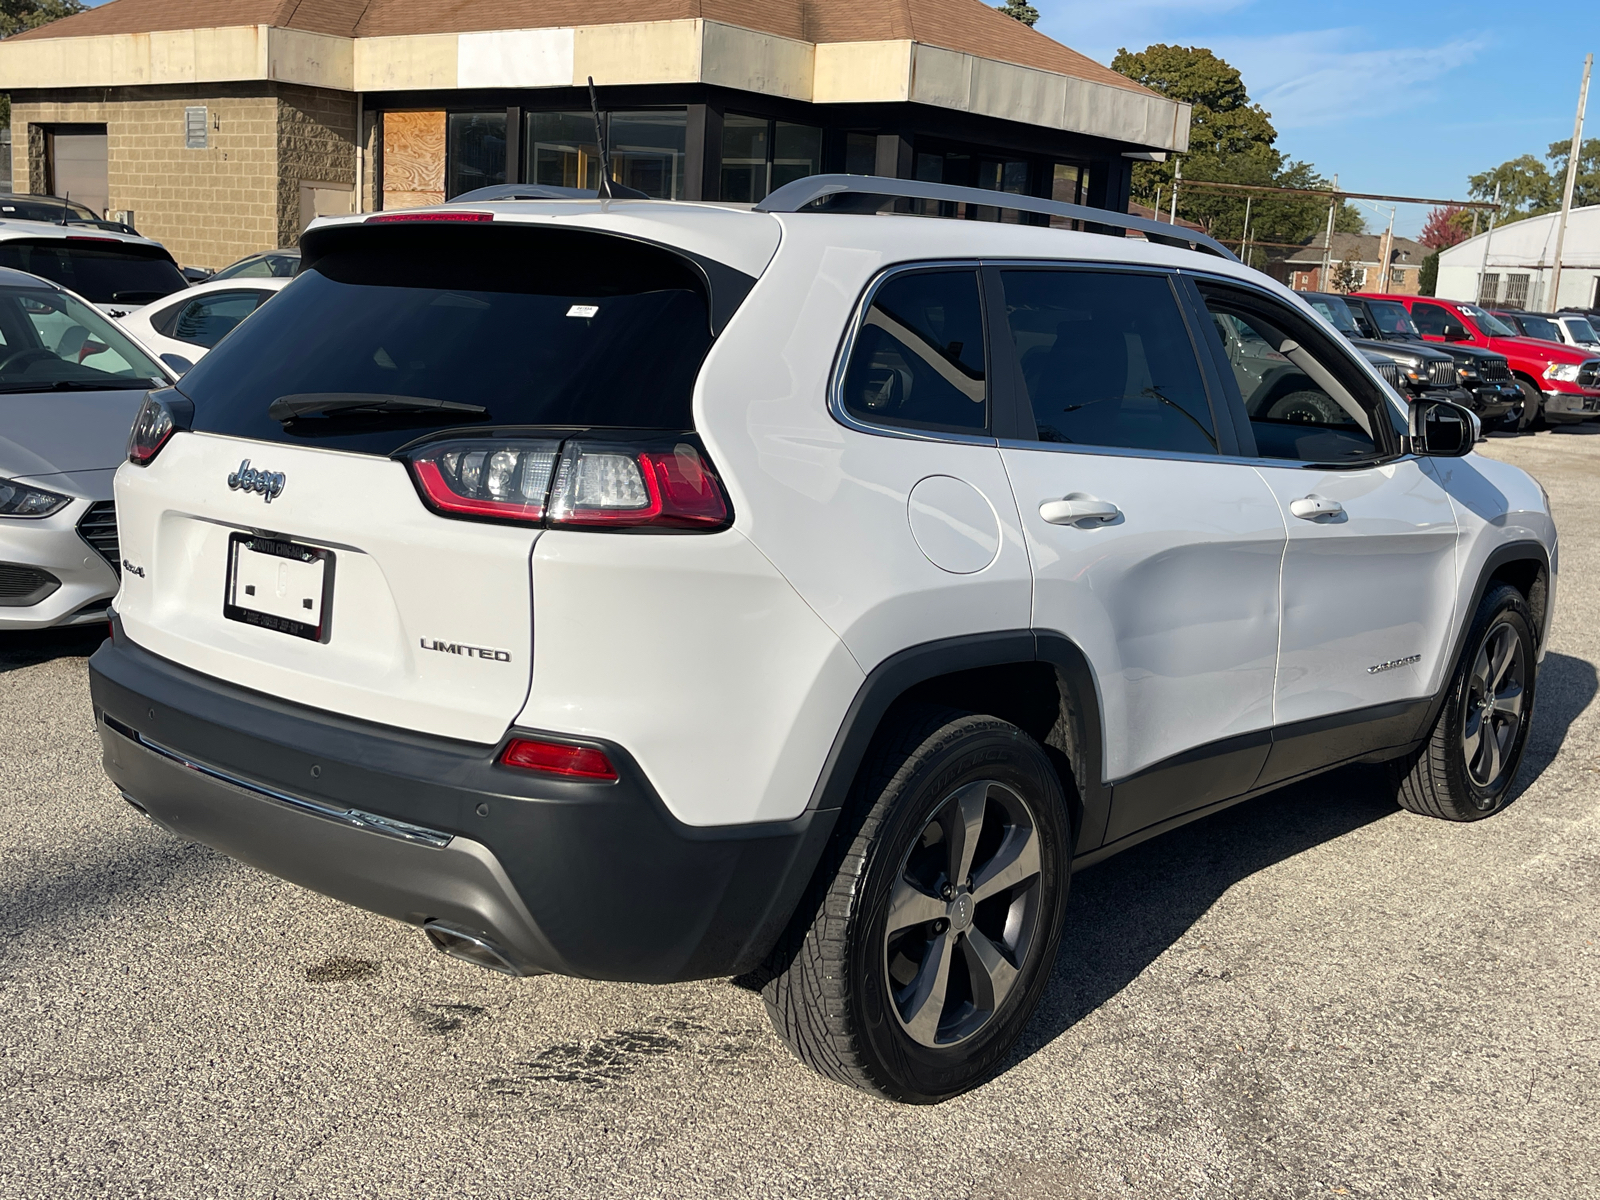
pixel 521 325
pixel 102 270
pixel 918 359
pixel 1107 360
pixel 205 320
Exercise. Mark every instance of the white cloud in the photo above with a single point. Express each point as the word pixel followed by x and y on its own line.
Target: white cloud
pixel 1328 76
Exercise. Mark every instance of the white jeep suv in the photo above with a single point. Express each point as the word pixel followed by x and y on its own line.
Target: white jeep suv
pixel 653 591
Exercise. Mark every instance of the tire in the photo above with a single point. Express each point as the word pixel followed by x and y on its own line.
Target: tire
pixel 893 978
pixel 1313 408
pixel 1465 770
pixel 1532 408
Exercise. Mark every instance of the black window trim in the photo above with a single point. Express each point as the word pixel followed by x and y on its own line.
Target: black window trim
pixel 852 333
pixel 1392 451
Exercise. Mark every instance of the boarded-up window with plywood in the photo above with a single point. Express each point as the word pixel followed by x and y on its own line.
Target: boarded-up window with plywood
pixel 413 159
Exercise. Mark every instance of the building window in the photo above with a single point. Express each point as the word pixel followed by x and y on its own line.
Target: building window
pixel 1489 289
pixel 1397 278
pixel 562 151
pixel 861 154
pixel 759 156
pixel 1516 291
pixel 194 128
pixel 647 151
pixel 476 151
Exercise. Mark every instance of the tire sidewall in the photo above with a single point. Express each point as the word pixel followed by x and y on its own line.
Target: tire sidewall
pixel 925 1074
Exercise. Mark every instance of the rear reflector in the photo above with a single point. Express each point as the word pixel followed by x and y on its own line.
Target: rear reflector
pixel 391 218
pixel 557 758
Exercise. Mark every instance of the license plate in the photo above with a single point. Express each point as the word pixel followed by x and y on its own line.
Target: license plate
pixel 279 585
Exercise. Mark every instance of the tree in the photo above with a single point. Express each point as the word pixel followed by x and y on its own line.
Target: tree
pixel 1428 277
pixel 1020 10
pixel 1231 140
pixel 1348 276
pixel 18 15
pixel 1447 226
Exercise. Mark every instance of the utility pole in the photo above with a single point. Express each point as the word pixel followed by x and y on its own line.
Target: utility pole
pixel 1177 178
pixel 1385 253
pixel 1244 239
pixel 1572 178
pixel 1158 204
pixel 1483 271
pixel 1327 245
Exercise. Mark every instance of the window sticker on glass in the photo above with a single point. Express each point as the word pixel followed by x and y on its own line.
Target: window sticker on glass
pixel 583 310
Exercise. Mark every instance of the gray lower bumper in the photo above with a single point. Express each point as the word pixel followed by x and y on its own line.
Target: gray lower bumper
pixel 402 871
pixel 1570 406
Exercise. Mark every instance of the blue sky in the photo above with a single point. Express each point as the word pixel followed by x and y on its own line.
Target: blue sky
pixel 1405 98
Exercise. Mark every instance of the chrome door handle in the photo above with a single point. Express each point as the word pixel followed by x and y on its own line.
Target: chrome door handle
pixel 1079 508
pixel 1309 508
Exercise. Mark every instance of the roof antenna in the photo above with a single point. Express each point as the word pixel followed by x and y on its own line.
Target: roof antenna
pixel 66 206
pixel 600 139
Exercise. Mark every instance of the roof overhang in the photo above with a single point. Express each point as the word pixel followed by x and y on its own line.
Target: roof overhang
pixel 642 52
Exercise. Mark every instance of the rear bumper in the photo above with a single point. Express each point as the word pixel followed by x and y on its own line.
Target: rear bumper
pixel 587 879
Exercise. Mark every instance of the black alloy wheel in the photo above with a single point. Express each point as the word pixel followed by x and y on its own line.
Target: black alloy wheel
pixel 1492 714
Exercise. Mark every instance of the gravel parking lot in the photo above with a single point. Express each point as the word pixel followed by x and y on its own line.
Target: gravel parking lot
pixel 1314 994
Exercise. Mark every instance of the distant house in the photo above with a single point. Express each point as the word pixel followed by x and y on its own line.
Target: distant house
pixel 1302 269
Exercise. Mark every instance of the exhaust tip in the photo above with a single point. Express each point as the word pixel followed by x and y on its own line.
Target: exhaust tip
pixel 470 947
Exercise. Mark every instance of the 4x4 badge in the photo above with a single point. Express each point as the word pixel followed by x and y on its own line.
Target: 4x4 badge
pixel 248 479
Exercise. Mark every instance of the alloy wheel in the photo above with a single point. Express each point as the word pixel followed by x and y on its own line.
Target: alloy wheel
pixel 963 912
pixel 1493 711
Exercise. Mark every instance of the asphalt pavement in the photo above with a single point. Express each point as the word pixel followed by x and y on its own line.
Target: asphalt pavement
pixel 1313 994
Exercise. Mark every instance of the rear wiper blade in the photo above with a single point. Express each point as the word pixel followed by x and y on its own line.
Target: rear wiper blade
pixel 305 404
pixel 81 385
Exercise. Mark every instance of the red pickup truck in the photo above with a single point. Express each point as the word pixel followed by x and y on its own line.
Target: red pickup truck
pixel 1559 383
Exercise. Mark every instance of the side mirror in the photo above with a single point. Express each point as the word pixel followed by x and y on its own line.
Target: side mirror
pixel 1440 429
pixel 1454 332
pixel 177 362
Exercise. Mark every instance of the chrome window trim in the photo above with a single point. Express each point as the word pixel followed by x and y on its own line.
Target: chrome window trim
pixel 1237 460
pixel 858 317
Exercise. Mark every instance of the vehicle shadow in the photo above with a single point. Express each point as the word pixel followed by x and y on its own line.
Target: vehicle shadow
pixel 34 646
pixel 1124 912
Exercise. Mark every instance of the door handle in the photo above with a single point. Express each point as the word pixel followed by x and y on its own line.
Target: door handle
pixel 1310 508
pixel 1079 508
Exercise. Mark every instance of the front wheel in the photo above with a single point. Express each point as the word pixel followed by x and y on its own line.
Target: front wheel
pixel 931 932
pixel 1466 769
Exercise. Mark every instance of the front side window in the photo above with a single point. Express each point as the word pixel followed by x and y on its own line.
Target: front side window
pixel 50 341
pixel 1302 401
pixel 1106 360
pixel 918 359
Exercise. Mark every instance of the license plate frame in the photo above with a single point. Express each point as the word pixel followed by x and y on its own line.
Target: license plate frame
pixel 295 558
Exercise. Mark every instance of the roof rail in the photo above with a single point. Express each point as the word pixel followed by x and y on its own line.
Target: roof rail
pixel 802 193
pixel 541 191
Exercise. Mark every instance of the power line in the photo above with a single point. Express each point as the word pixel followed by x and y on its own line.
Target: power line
pixel 1333 194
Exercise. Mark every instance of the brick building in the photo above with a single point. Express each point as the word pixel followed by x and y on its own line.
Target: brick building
pixel 1302 269
pixel 224 126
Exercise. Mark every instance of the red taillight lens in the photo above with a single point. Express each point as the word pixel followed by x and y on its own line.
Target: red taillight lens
pixel 576 484
pixel 557 758
pixel 439 215
pixel 151 430
pixel 487 477
pixel 604 484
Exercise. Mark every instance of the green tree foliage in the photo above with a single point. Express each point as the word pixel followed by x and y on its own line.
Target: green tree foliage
pixel 1020 10
pixel 1231 140
pixel 1428 277
pixel 17 15
pixel 1529 188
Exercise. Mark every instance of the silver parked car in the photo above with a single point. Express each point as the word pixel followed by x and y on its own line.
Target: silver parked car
pixel 71 383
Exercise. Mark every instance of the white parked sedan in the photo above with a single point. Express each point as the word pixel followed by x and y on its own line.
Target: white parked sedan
pixel 181 329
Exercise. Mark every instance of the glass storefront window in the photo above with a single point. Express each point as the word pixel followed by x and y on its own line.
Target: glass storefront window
pixel 476 153
pixel 647 151
pixel 746 148
pixel 1007 175
pixel 796 152
pixel 860 154
pixel 561 150
pixel 1066 185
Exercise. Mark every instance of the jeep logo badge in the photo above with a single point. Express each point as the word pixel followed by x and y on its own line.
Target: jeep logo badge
pixel 248 479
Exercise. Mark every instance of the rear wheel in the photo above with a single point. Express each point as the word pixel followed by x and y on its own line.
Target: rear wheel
pixel 931 931
pixel 1466 769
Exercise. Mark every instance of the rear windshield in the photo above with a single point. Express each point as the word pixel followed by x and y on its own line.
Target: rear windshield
pixel 534 325
pixel 99 269
pixel 1392 318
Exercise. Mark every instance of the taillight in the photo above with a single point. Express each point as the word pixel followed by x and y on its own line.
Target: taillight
pixel 558 758
pixel 581 483
pixel 151 430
